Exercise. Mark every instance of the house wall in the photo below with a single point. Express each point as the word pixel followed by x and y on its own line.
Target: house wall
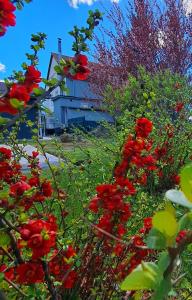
pixel 53 74
pixel 79 102
pixel 79 88
pixel 66 108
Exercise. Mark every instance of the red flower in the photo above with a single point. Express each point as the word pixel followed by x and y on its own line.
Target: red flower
pixel 179 106
pixel 81 73
pixel 143 127
pixel 29 273
pixel 70 252
pixel 118 249
pixel 35 154
pixel 81 60
pixel 149 162
pixel 70 280
pixel 125 212
pixel 81 70
pixel 121 230
pixel 19 188
pixel 6 107
pixel 105 223
pixel 8 272
pixel 181 235
pixel 60 268
pixel 39 236
pixel 94 204
pixel 121 169
pixel 143 179
pixel 160 152
pixel 32 78
pixel 47 189
pixel 175 179
pixel 137 241
pixel 7 18
pixel 34 181
pixel 5 153
pixel 148 223
pixel 19 92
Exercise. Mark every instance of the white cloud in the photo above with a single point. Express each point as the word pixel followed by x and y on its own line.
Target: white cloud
pixel 2 67
pixel 188 6
pixel 75 3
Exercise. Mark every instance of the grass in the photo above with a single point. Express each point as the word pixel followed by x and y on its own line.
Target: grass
pixel 74 150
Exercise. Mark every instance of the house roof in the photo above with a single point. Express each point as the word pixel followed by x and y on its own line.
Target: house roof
pixel 75 98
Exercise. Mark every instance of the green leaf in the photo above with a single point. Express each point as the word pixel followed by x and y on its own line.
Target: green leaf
pixel 178 197
pixel 186 181
pixel 16 103
pixel 38 91
pixel 4 239
pixel 1 276
pixel 163 262
pixel 186 221
pixel 58 69
pixel 144 277
pixel 145 95
pixel 4 194
pixel 3 121
pixel 156 240
pixel 163 289
pixel 166 223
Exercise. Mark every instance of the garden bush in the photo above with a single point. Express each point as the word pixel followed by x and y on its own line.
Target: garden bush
pixel 98 226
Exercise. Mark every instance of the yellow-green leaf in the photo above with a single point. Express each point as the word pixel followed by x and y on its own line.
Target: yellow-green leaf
pixel 144 277
pixel 4 239
pixel 16 103
pixel 166 223
pixel 169 207
pixel 186 181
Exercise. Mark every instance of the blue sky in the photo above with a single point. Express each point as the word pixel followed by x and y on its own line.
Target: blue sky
pixel 55 18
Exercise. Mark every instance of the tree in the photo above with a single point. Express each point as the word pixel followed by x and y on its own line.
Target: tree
pixel 177 28
pixel 144 34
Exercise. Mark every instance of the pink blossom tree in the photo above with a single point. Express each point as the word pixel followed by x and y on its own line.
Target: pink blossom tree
pixel 157 38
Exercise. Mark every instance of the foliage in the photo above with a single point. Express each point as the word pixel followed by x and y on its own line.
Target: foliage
pixel 165 98
pixel 153 34
pixel 123 241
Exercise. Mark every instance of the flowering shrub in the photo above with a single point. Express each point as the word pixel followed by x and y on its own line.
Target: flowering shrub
pixel 41 256
pixel 7 15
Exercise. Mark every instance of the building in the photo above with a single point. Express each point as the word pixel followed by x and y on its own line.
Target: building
pixel 80 106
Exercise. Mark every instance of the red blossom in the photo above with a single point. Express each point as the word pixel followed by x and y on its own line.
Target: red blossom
pixel 143 127
pixel 175 179
pixel 118 249
pixel 29 273
pixel 47 189
pixel 81 60
pixel 81 69
pixel 70 280
pixel 19 92
pixel 7 18
pixel 61 269
pixel 179 106
pixel 5 153
pixel 137 241
pixel 182 234
pixel 40 237
pixel 18 189
pixel 32 78
pixel 8 272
